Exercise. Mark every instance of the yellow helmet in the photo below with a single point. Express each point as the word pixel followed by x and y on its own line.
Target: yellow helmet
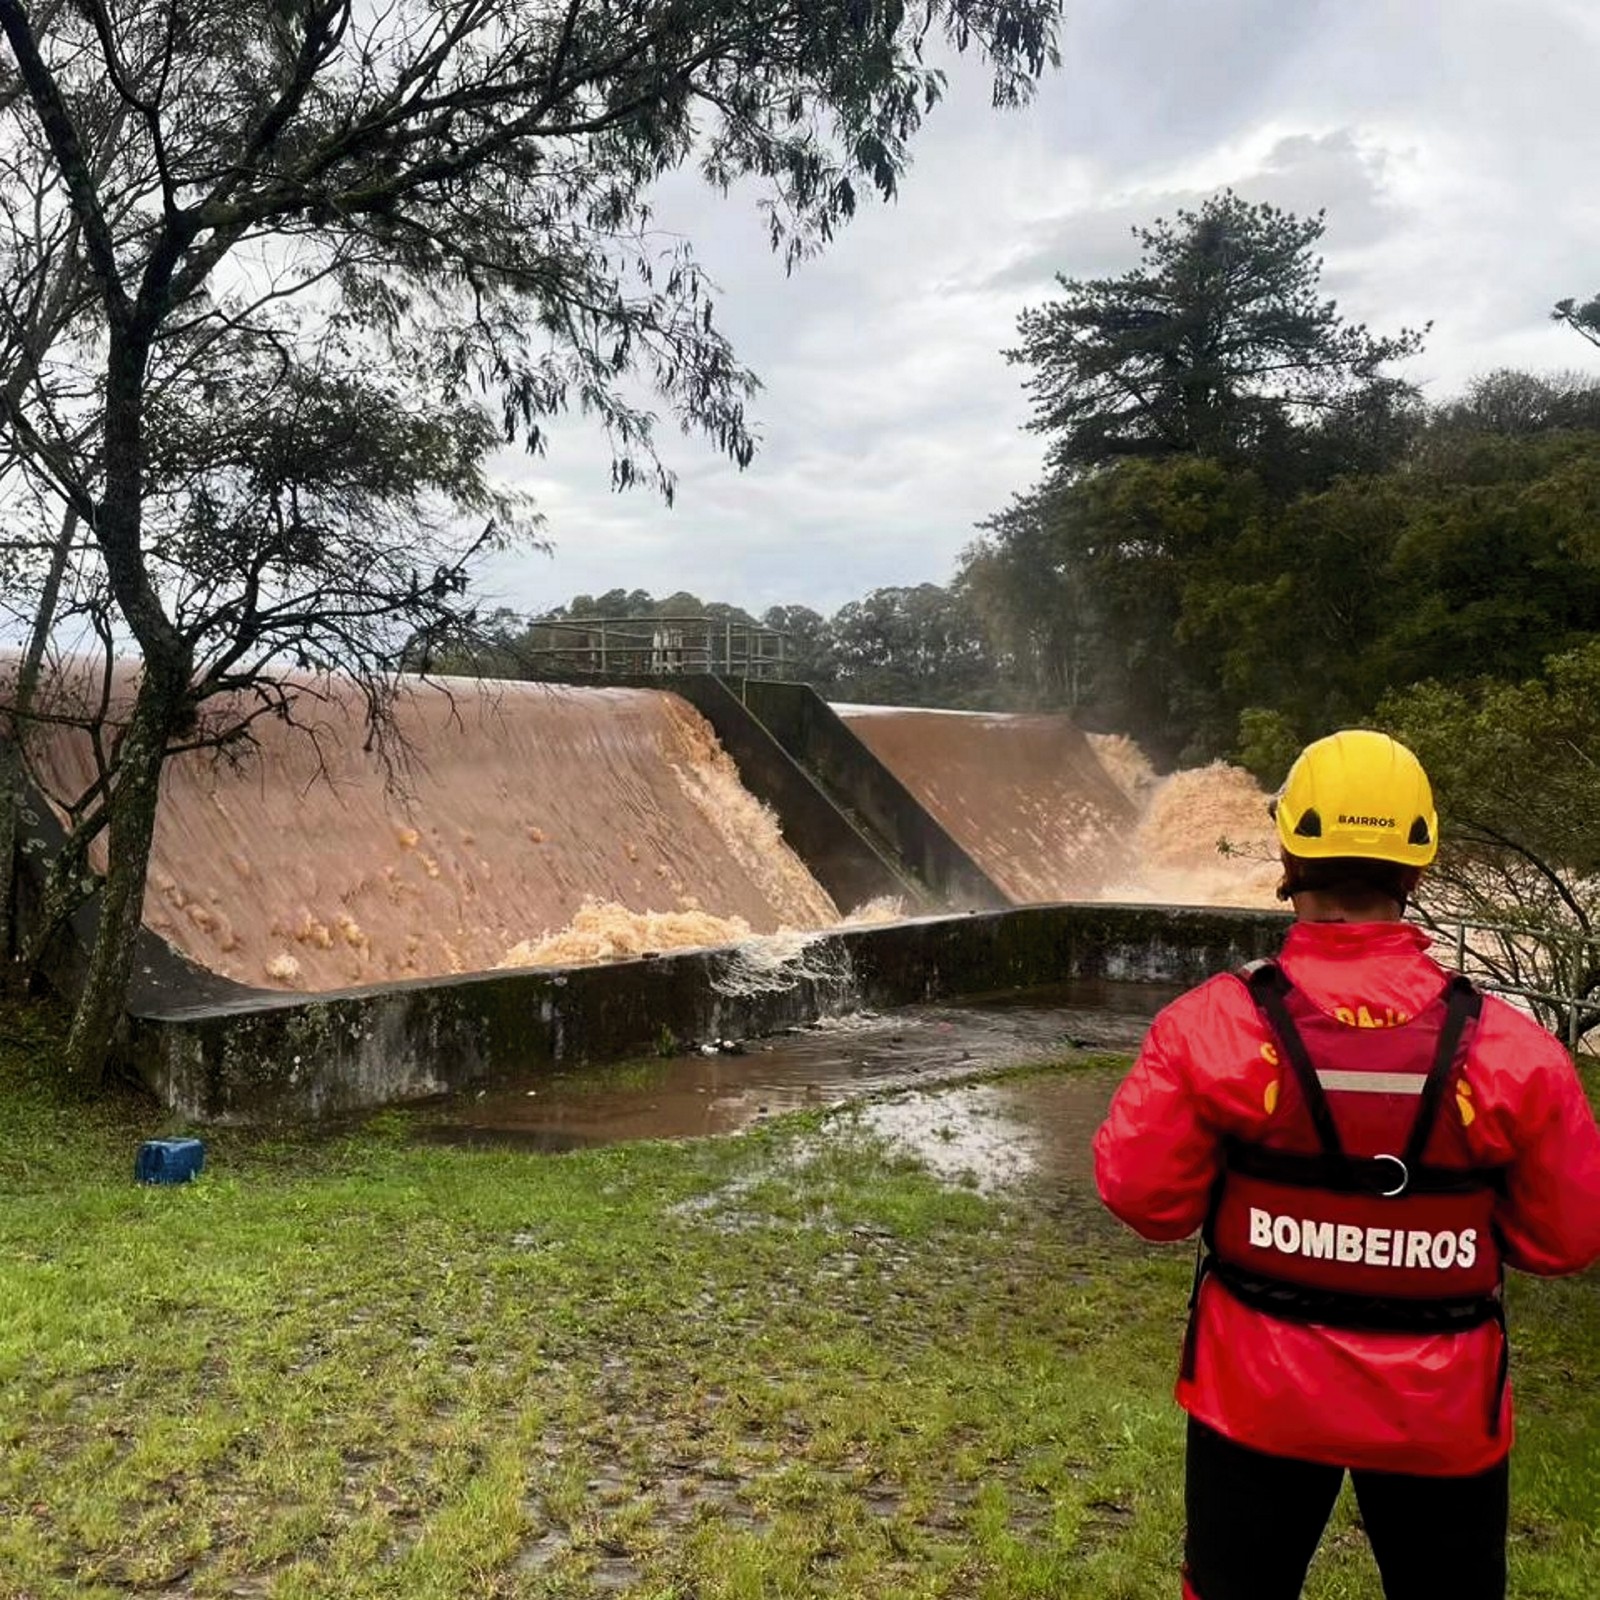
pixel 1358 793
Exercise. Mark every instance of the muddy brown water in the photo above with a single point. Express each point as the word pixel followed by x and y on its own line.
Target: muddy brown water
pixel 830 1065
pixel 998 1136
pixel 1024 795
pixel 495 813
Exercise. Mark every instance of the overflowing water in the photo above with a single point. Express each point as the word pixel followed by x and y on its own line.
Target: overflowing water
pixel 1051 813
pixel 727 1086
pixel 519 824
pixel 1025 796
pixel 1203 839
pixel 522 822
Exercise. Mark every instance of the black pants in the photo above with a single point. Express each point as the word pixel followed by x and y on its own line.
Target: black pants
pixel 1255 1520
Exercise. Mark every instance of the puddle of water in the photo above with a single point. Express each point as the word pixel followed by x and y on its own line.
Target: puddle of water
pixel 999 1136
pixel 826 1065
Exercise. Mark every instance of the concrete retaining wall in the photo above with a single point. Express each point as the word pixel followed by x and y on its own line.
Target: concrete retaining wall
pixel 852 866
pixel 814 734
pixel 276 1057
pixel 840 856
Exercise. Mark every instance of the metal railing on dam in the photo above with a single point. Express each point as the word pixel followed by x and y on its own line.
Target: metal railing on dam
pixel 657 647
pixel 1554 968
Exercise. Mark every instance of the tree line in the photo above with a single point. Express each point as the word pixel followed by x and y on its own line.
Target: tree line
pixel 913 645
pixel 1249 529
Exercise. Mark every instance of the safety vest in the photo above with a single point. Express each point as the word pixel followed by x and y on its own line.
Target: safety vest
pixel 1337 1216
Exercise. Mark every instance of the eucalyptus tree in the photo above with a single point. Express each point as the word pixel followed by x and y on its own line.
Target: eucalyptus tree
pixel 914 645
pixel 435 210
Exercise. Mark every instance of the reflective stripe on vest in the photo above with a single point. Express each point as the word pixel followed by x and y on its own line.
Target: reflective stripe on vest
pixel 1340 1219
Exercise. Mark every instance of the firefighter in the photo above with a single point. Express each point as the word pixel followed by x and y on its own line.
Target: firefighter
pixel 1365 1143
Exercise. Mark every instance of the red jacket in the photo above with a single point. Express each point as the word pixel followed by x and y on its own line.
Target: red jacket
pixel 1393 1402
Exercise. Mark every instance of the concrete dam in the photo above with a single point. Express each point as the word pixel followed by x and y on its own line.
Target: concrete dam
pixel 313 866
pixel 513 878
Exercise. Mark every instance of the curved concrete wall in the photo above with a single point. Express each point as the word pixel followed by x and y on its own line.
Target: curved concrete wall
pixel 816 737
pixel 844 860
pixel 276 1057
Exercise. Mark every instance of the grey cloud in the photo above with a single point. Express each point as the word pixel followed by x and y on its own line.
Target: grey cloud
pixel 1147 84
pixel 1453 147
pixel 1302 173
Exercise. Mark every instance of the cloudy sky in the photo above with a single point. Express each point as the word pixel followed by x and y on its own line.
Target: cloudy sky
pixel 1453 144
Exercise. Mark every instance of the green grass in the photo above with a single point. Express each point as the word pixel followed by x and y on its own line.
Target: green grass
pixel 786 1364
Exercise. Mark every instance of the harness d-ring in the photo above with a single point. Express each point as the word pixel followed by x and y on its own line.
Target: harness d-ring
pixel 1405 1177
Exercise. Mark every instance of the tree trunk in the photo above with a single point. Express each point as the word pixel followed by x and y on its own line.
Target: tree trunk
pixel 161 702
pixel 11 778
pixel 140 758
pixel 13 767
pixel 69 882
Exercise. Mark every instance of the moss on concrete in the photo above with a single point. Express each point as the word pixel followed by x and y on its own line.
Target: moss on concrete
pixel 282 1057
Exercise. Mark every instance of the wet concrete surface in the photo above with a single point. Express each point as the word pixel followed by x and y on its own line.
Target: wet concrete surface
pixel 831 1064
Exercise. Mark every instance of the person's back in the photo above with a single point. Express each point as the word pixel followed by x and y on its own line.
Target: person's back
pixel 1349 1314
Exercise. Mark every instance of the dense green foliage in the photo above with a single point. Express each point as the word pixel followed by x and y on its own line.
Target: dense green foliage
pixel 1515 766
pixel 1187 593
pixel 1250 531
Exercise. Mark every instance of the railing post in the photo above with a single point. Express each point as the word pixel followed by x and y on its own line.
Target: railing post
pixel 1569 969
pixel 1575 987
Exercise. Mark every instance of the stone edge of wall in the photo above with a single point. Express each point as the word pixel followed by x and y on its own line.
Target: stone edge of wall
pixel 822 743
pixel 835 851
pixel 287 1058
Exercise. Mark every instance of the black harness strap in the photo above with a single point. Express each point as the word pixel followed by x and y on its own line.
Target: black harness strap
pixel 1335 1170
pixel 1356 1174
pixel 1268 986
pixel 1464 1003
pixel 1502 1372
pixel 1330 1308
pixel 1204 1262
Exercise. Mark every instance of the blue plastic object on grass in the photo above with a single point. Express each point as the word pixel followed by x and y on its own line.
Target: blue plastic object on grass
pixel 169 1160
